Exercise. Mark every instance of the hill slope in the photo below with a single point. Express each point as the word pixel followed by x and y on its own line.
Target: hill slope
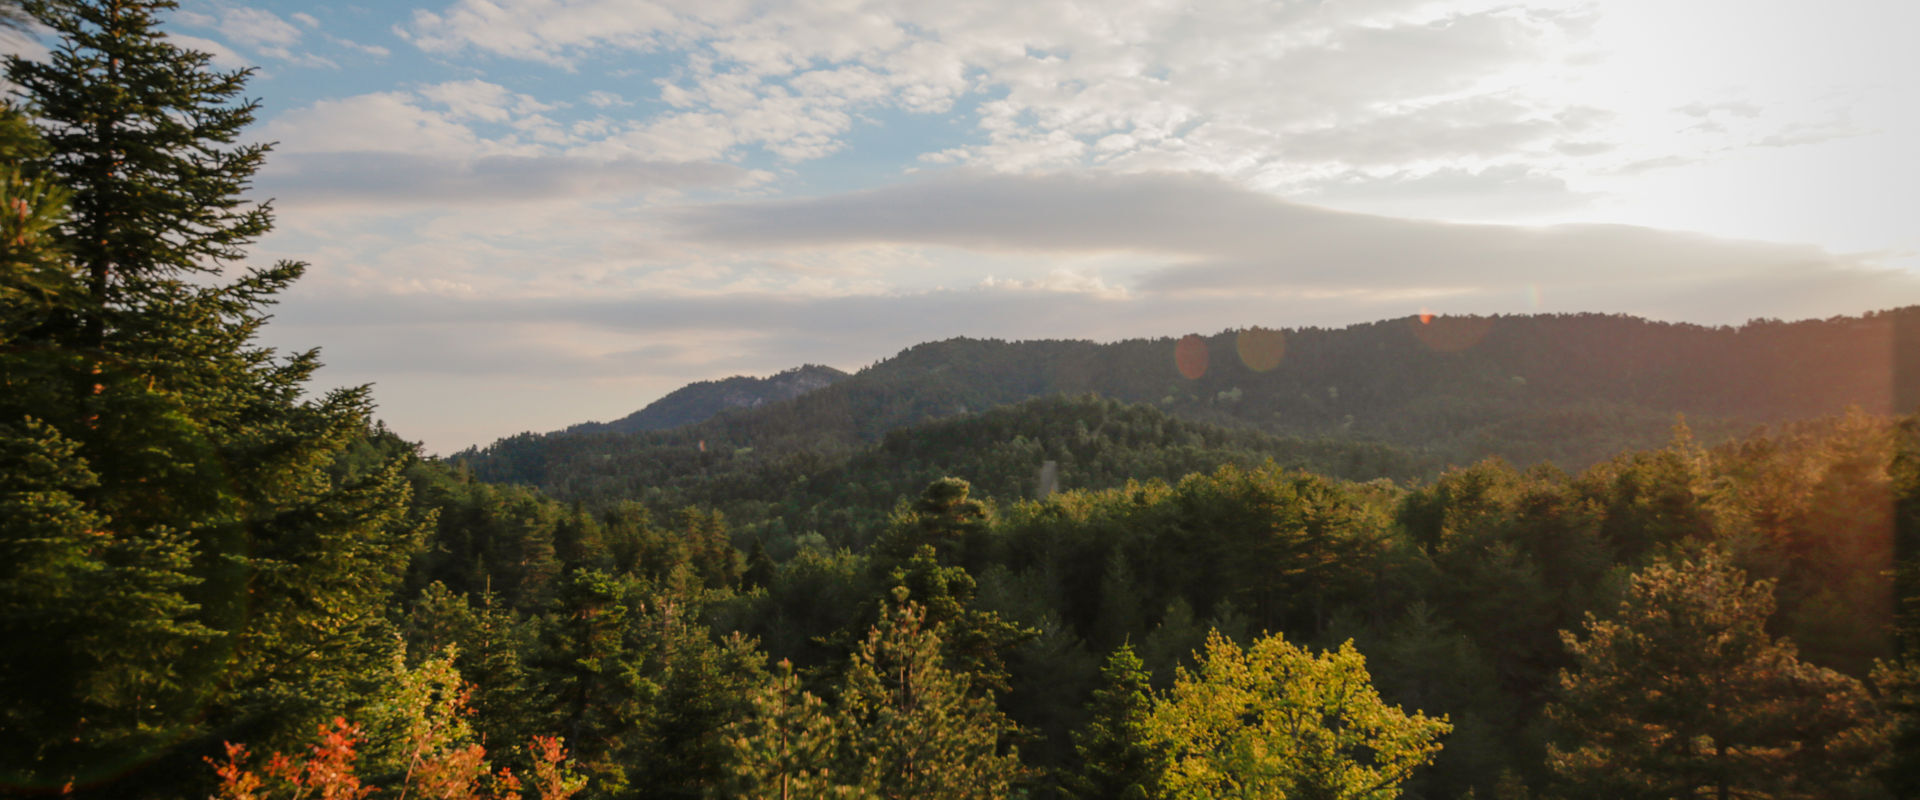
pixel 700 401
pixel 1570 389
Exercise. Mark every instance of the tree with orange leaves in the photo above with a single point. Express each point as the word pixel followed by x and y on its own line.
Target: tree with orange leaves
pixel 423 736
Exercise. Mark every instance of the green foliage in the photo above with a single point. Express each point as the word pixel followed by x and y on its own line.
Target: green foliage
pixel 787 746
pixel 36 280
pixel 99 625
pixel 848 487
pixel 199 564
pixel 1899 680
pixel 194 548
pixel 1384 399
pixel 702 400
pixel 1684 693
pixel 1275 720
pixel 590 663
pixel 1116 763
pixel 915 729
pixel 419 727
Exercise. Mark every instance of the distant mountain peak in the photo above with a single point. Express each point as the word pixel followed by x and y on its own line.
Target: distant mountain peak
pixel 701 401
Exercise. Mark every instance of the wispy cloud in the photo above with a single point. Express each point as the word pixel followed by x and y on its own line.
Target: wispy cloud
pixel 1219 237
pixel 363 180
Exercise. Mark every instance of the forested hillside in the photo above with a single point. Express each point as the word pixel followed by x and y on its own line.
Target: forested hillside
pixel 698 402
pixel 1570 390
pixel 846 492
pixel 1455 591
pixel 217 581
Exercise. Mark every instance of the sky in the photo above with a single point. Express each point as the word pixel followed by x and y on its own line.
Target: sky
pixel 523 214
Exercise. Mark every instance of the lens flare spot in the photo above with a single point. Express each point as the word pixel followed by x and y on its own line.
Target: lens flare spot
pixel 1451 334
pixel 1261 349
pixel 1190 355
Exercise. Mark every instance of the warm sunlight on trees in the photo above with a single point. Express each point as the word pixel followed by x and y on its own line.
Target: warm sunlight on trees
pixel 1276 720
pixel 1683 693
pixel 188 556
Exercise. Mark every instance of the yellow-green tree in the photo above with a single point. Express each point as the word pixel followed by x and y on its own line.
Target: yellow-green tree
pixel 1277 721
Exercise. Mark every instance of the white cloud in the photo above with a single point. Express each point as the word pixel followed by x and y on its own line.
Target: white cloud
pixel 1118 175
pixel 483 101
pixel 223 56
pixel 1260 92
pixel 1285 97
pixel 604 99
pixel 379 122
pixel 364 49
pixel 257 28
pixel 262 33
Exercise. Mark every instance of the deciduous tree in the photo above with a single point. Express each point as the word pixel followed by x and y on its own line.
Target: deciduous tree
pixel 1275 720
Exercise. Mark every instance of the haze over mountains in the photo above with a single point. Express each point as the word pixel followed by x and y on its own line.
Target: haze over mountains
pixel 1360 379
pixel 1401 398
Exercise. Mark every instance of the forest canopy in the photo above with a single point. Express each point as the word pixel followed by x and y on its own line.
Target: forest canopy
pixel 916 582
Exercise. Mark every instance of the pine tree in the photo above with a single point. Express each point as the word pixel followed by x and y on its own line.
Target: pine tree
pixel 1899 679
pixel 913 729
pixel 704 686
pixel 943 517
pixel 1115 761
pixel 760 570
pixel 205 570
pixel 785 748
pixel 591 662
pixel 144 133
pixel 1684 693
pixel 36 277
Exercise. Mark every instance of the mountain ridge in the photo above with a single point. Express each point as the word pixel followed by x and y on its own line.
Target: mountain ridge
pixel 1567 389
pixel 702 400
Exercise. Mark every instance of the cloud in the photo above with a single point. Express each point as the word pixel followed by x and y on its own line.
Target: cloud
pixel 373 179
pixel 1116 170
pixel 364 49
pixel 223 56
pixel 605 99
pixel 1507 191
pixel 483 101
pixel 1215 237
pixel 257 28
pixel 1268 92
pixel 258 31
pixel 378 122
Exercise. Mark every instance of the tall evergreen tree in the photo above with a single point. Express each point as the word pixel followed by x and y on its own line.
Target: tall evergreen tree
pixel 1116 763
pixel 1898 679
pixel 1685 694
pixel 200 571
pixel 785 748
pixel 913 729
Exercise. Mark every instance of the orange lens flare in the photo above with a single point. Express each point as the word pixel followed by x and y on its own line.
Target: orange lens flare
pixel 1450 334
pixel 1190 355
pixel 1261 349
